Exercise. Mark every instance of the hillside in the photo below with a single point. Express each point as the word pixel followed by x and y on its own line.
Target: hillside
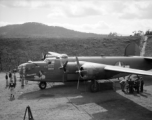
pixel 20 43
pixel 14 51
pixel 33 29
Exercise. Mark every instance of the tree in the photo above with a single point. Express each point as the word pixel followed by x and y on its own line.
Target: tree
pixel 114 34
pixel 138 33
pixel 148 32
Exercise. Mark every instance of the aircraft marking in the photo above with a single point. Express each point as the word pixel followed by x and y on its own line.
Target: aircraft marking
pixel 39 78
pixel 51 67
pixel 121 64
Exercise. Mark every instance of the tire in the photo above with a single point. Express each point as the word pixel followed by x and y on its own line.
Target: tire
pixel 93 87
pixel 42 85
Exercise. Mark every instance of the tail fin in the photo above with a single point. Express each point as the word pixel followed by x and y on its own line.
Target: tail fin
pixel 132 49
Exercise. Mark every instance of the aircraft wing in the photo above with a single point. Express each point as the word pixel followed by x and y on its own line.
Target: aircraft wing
pixel 90 70
pixel 127 70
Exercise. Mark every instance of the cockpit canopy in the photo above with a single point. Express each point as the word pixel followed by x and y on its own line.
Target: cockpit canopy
pixel 56 55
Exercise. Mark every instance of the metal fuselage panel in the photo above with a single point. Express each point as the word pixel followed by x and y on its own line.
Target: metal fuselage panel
pixel 42 71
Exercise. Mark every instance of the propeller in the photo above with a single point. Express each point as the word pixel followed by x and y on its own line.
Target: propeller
pixel 78 71
pixel 43 56
pixel 63 66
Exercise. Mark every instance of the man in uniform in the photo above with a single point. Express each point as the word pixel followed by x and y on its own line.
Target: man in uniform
pixel 12 86
pixel 14 79
pixel 122 84
pixel 141 84
pixel 10 75
pixel 137 85
pixel 131 84
pixel 6 77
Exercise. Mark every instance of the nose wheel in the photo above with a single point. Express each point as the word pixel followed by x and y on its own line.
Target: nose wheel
pixel 42 85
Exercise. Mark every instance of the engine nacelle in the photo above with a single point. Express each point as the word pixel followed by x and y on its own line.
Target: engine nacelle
pixel 92 71
pixel 72 67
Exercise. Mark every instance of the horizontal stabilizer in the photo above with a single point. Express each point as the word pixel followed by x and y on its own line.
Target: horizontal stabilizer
pixel 148 58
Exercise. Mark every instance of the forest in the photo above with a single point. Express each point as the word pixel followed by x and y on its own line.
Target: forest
pixel 14 51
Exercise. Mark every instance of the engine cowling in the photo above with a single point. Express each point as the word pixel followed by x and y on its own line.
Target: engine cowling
pixel 72 67
pixel 92 71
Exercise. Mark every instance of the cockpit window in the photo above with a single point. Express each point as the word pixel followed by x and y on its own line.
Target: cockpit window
pixel 53 62
pixel 49 60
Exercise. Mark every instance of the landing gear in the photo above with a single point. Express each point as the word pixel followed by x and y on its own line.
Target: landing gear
pixel 42 85
pixel 94 86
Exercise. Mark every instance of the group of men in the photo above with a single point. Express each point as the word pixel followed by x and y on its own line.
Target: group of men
pixel 11 82
pixel 132 84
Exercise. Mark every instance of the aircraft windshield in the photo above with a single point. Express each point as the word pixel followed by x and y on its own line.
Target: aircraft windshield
pixel 50 56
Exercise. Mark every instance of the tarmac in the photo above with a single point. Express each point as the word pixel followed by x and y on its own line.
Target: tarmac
pixel 66 102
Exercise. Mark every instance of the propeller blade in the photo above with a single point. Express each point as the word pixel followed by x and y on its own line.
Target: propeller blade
pixel 63 66
pixel 78 64
pixel 61 63
pixel 78 83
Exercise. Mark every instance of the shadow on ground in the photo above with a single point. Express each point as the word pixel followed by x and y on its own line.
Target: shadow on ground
pixel 63 90
pixel 117 106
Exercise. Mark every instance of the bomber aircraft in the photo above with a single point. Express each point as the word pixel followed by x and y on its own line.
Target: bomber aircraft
pixel 57 67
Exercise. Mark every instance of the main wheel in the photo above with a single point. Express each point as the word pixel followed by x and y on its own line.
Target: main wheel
pixel 42 85
pixel 94 86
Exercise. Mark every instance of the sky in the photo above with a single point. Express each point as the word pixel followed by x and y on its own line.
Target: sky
pixel 91 16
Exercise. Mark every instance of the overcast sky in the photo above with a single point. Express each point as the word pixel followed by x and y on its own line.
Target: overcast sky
pixel 95 16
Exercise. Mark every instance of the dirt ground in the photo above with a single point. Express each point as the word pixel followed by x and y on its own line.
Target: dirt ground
pixel 65 102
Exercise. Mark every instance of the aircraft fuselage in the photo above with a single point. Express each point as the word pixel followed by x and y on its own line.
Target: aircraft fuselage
pixel 49 71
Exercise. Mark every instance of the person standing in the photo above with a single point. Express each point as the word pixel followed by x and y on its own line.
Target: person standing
pixel 6 77
pixel 137 85
pixel 22 81
pixel 11 87
pixel 10 76
pixel 131 83
pixel 14 79
pixel 141 85
pixel 122 84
